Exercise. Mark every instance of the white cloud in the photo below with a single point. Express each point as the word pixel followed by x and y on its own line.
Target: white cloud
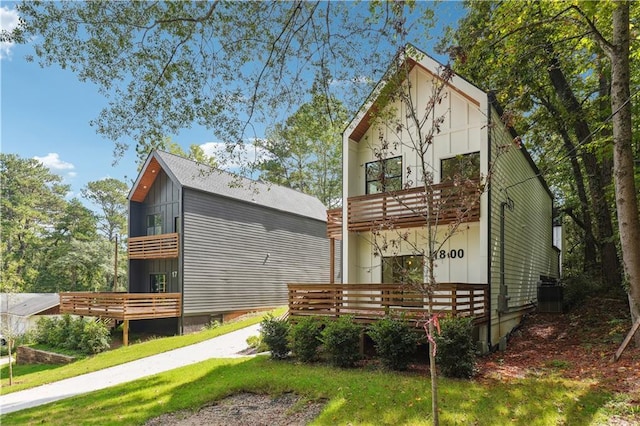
pixel 53 162
pixel 241 156
pixel 8 21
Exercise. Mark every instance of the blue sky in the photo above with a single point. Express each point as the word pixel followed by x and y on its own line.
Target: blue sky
pixel 45 114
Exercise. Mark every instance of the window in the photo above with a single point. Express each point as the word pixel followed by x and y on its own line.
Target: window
pixel 384 175
pixel 402 269
pixel 465 166
pixel 158 283
pixel 154 224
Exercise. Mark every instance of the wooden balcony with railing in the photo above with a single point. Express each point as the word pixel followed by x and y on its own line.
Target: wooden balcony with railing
pixel 163 246
pixel 446 203
pixel 370 302
pixel 122 306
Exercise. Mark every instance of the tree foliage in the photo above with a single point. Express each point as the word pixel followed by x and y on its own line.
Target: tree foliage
pixel 224 65
pixel 305 152
pixel 49 243
pixel 554 78
pixel 110 195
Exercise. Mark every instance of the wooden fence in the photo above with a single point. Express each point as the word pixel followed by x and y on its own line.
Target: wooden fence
pixel 164 246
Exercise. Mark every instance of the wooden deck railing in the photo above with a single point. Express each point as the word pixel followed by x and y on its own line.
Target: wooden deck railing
pixel 122 306
pixel 334 223
pixel 163 246
pixel 413 207
pixel 369 302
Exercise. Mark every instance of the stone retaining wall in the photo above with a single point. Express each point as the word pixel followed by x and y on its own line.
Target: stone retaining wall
pixel 27 355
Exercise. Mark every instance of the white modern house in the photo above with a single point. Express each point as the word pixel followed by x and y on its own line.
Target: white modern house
pixel 486 206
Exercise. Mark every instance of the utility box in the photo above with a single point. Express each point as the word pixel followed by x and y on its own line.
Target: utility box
pixel 550 298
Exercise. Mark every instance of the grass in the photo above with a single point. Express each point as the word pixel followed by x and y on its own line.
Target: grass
pixel 28 376
pixel 358 397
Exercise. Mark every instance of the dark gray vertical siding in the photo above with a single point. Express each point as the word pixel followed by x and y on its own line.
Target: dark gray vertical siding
pixel 163 198
pixel 239 255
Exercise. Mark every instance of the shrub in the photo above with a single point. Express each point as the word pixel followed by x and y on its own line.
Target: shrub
pixel 395 342
pixel 275 334
pixel 456 353
pixel 341 339
pixel 77 334
pixel 305 339
pixel 95 337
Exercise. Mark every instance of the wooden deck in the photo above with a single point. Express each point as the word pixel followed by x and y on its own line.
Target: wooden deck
pixel 122 306
pixel 408 208
pixel 370 302
pixel 163 246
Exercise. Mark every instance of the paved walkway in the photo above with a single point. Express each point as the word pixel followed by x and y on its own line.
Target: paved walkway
pixel 225 346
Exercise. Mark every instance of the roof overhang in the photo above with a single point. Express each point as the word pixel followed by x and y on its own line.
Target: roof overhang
pixel 145 180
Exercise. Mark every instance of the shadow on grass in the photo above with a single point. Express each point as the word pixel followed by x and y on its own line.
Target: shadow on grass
pixel 354 396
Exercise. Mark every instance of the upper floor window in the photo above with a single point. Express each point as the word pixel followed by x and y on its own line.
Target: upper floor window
pixel 384 175
pixel 460 167
pixel 154 224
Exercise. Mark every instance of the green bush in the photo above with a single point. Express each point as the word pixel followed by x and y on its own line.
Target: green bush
pixel 305 339
pixel 95 337
pixel 456 352
pixel 275 334
pixel 395 342
pixel 84 335
pixel 341 340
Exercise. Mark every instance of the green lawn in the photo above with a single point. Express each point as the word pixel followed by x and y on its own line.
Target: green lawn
pixel 358 397
pixel 28 376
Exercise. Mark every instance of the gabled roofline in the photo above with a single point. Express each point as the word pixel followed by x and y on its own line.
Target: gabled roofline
pixel 147 176
pixel 411 56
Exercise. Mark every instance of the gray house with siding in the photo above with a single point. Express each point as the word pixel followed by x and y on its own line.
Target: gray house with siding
pixel 228 244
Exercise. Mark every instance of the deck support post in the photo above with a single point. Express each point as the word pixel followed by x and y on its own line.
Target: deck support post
pixel 332 261
pixel 125 332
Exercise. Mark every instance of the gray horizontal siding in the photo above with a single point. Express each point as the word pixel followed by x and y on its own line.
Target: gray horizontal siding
pixel 225 262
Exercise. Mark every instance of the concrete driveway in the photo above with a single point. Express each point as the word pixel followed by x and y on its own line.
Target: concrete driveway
pixel 225 346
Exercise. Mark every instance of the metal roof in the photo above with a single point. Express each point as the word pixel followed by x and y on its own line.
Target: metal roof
pixel 27 304
pixel 194 175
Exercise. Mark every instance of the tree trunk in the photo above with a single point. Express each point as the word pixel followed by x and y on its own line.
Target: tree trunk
pixel 623 171
pixel 611 276
pixel 590 262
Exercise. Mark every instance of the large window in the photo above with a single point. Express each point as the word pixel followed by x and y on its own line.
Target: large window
pixel 158 283
pixel 154 224
pixel 384 175
pixel 461 167
pixel 402 269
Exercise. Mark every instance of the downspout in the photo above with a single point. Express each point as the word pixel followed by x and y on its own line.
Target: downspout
pixel 503 298
pixel 489 224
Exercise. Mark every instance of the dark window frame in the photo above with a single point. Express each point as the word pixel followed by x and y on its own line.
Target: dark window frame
pixel 384 179
pixel 155 226
pixel 460 160
pixel 158 286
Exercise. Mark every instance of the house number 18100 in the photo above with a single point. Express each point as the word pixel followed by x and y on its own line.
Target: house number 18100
pixel 451 254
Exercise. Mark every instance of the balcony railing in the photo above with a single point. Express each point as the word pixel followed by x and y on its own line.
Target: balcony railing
pixel 370 302
pixel 163 246
pixel 334 223
pixel 121 306
pixel 447 203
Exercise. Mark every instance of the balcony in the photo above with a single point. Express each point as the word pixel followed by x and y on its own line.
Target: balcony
pixel 163 246
pixel 370 302
pixel 446 203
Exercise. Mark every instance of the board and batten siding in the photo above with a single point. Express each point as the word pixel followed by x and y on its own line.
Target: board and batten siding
pixel 528 245
pixel 239 256
pixel 163 198
pixel 462 131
